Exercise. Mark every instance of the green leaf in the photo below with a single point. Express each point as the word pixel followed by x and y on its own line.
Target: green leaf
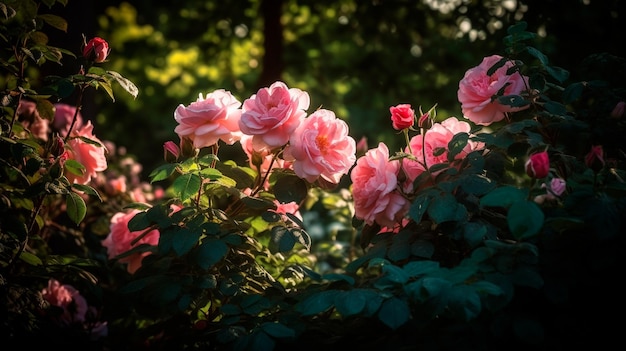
pixel 503 196
pixel 464 302
pixel 31 259
pixel 278 330
pixel 394 312
pixel 162 172
pixel 125 83
pixel 415 269
pixel 419 207
pixel 187 186
pixel 290 188
pixel 350 302
pixel 443 208
pixel 513 101
pixel 76 208
pixel 185 240
pixel 55 21
pixel 477 184
pixel 558 73
pixel 456 145
pixel 282 239
pixel 525 219
pixel 317 303
pixel 210 252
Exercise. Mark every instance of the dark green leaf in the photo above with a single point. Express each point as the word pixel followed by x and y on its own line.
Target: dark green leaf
pixel 525 219
pixel 443 208
pixel 394 313
pixel 290 188
pixel 503 196
pixel 210 252
pixel 278 330
pixel 317 303
pixel 185 240
pixel 456 145
pixel 350 302
pixel 76 208
pixel 162 172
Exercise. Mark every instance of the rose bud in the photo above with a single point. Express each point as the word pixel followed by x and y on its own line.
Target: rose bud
pixel 171 151
pixel 96 50
pixel 538 165
pixel 595 158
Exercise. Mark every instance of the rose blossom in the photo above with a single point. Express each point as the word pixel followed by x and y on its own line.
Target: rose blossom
pixel 91 156
pixel 97 50
pixel 538 165
pixel 374 184
pixel 436 140
pixel 321 147
pixel 120 237
pixel 402 116
pixel 63 116
pixel 273 114
pixel 68 298
pixel 477 89
pixel 209 119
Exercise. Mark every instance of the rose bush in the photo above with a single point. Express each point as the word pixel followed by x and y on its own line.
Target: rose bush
pixel 494 229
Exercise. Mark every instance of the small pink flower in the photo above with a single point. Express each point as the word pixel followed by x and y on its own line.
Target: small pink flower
pixel 96 50
pixel 374 188
pixel 402 116
pixel 69 299
pixel 120 237
pixel 538 165
pixel 321 147
pixel 555 188
pixel 209 119
pixel 91 156
pixel 477 89
pixel 273 114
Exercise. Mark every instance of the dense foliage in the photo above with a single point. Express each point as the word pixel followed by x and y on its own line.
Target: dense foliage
pixel 507 230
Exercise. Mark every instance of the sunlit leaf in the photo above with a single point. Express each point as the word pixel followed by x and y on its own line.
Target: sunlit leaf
pixel 76 208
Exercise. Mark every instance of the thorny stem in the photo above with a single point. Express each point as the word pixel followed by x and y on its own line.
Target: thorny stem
pixel 78 108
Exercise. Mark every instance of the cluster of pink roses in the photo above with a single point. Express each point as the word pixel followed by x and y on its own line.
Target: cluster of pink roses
pixel 274 130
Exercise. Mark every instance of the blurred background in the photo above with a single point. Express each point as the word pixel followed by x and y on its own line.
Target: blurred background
pixel 356 58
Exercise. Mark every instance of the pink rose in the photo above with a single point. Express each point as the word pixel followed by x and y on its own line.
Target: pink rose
pixel 67 298
pixel 284 208
pixel 273 114
pixel 477 89
pixel 31 120
pixel 432 148
pixel 63 116
pixel 120 237
pixel 96 50
pixel 402 116
pixel 321 147
pixel 209 119
pixel 374 188
pixel 538 165
pixel 91 156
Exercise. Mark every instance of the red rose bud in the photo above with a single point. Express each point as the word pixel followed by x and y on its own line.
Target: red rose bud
pixel 402 116
pixel 538 165
pixel 595 158
pixel 96 50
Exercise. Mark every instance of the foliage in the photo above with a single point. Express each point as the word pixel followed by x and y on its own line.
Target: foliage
pixel 482 260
